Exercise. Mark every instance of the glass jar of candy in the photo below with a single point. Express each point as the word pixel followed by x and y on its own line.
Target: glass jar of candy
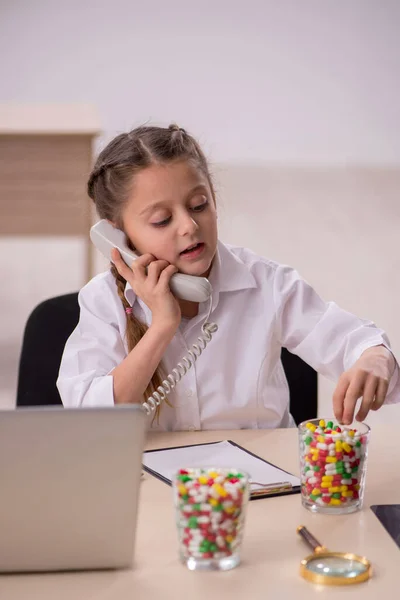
pixel 333 461
pixel 210 506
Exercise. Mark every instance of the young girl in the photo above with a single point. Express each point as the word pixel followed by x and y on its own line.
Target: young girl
pixel 154 184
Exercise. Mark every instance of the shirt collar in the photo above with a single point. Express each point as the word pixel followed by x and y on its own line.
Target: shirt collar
pixel 228 274
pixel 129 294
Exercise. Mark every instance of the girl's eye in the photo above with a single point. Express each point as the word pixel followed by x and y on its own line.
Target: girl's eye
pixel 200 207
pixel 162 223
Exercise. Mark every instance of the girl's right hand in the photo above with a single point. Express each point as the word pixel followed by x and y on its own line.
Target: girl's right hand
pixel 149 279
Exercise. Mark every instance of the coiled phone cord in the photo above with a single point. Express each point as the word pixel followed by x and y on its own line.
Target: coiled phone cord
pixel 182 367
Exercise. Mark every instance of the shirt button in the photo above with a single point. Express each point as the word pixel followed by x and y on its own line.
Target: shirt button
pixel 189 393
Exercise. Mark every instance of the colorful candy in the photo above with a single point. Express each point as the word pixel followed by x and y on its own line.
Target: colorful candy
pixel 332 462
pixel 210 505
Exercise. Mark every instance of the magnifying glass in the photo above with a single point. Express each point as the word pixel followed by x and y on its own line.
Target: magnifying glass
pixel 332 568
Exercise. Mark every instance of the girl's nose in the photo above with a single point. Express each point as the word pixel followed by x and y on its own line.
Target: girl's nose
pixel 187 225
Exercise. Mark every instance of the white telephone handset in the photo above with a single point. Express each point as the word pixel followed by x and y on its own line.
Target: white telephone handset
pixel 187 287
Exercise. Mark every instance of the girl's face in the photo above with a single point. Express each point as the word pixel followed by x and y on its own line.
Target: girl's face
pixel 171 214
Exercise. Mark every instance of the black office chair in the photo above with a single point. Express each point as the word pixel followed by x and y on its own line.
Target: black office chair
pixel 51 323
pixel 48 327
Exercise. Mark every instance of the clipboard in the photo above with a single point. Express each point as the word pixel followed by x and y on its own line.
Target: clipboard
pixel 162 462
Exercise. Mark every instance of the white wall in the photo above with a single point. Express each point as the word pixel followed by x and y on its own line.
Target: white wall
pixel 265 80
pixel 267 88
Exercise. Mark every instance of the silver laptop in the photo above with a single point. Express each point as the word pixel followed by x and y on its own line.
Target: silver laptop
pixel 69 486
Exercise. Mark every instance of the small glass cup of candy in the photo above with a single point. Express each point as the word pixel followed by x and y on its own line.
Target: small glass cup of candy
pixel 210 506
pixel 333 460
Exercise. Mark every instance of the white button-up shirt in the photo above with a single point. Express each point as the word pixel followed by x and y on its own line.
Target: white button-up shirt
pixel 238 381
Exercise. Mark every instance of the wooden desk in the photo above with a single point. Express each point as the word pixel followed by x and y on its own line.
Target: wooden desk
pixel 271 551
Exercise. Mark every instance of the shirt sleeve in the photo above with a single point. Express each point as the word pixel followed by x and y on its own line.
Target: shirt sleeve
pixel 325 336
pixel 93 350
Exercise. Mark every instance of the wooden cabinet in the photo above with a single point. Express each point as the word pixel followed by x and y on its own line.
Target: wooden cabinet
pixel 46 153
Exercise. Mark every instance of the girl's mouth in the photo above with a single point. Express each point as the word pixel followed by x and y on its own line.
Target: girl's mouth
pixel 193 251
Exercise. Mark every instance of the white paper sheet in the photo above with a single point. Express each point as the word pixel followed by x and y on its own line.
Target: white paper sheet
pixel 218 454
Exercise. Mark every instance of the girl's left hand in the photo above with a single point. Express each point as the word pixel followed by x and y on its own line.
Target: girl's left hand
pixel 368 378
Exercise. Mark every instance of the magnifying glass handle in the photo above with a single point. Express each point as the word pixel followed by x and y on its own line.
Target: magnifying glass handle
pixel 310 539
